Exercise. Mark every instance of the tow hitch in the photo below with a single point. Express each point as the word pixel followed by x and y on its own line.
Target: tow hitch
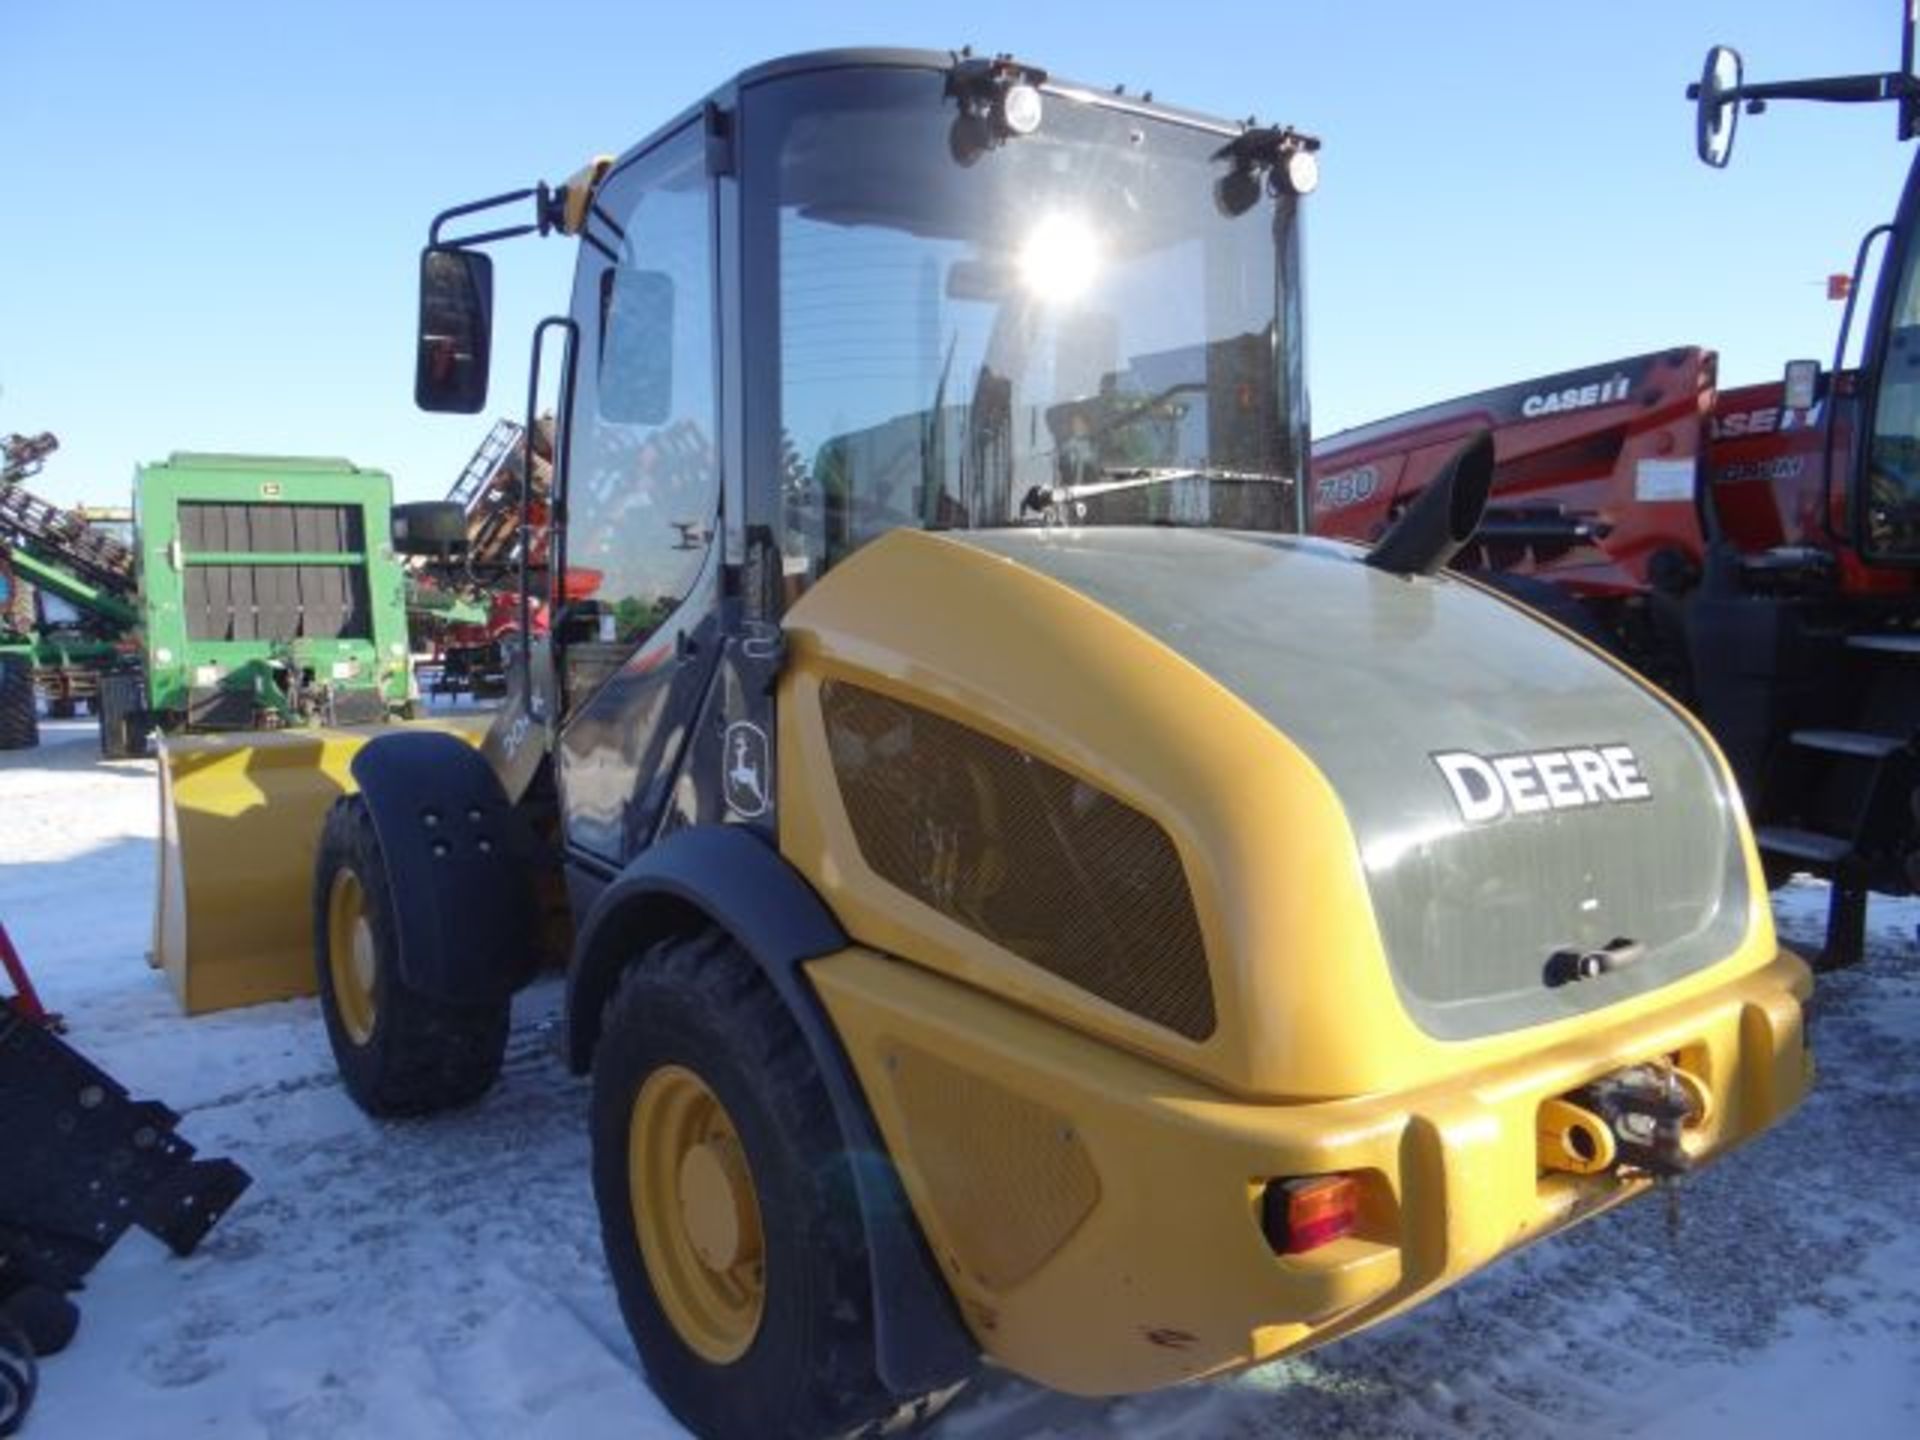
pixel 1630 1120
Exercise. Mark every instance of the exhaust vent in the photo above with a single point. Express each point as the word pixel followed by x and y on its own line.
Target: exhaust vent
pixel 1033 859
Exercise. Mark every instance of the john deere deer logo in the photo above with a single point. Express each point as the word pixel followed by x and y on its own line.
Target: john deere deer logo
pixel 744 770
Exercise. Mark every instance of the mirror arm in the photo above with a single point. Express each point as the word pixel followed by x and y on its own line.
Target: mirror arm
pixel 1838 89
pixel 467 242
pixel 546 216
pixel 472 207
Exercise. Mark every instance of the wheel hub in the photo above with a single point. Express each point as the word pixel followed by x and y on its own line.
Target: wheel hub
pixel 716 1205
pixel 696 1214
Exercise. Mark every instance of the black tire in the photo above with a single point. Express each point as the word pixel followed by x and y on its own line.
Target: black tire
pixel 696 1002
pixel 44 1316
pixel 419 1055
pixel 19 721
pixel 123 722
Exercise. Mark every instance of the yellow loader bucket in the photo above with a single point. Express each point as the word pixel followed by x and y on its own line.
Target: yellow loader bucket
pixel 240 819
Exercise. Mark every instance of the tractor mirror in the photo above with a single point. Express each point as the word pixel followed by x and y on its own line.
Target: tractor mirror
pixel 1718 110
pixel 1801 387
pixel 456 330
pixel 636 346
pixel 429 527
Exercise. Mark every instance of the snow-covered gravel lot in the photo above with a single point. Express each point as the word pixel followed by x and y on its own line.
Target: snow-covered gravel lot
pixel 443 1278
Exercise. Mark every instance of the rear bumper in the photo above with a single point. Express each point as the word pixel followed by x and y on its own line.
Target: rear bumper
pixel 1097 1215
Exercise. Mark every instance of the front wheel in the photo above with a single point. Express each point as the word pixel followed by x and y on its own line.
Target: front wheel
pixel 19 722
pixel 399 1052
pixel 727 1205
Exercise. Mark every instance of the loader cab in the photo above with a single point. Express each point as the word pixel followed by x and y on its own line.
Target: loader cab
pixel 859 291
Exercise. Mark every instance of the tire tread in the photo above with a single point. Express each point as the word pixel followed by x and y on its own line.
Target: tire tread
pixel 424 1055
pixel 700 988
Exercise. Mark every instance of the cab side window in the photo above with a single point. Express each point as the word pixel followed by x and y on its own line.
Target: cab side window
pixel 644 479
pixel 1893 477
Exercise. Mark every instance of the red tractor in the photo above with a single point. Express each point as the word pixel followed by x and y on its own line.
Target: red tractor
pixel 1755 550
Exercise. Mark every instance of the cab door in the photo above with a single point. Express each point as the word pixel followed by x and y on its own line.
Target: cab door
pixel 637 610
pixel 1885 509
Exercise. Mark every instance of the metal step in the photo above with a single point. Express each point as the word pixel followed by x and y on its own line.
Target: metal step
pixel 1808 845
pixel 1849 742
pixel 1893 642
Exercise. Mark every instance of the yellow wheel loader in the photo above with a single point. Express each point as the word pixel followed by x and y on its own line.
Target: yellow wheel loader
pixel 1020 897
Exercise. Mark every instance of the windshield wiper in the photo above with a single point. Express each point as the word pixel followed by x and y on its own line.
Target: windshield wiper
pixel 1042 498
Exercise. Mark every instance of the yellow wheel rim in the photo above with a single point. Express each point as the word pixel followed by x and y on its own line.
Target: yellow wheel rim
pixel 350 956
pixel 696 1214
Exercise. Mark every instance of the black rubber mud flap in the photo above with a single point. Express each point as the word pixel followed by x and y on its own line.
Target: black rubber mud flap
pixel 740 883
pixel 460 863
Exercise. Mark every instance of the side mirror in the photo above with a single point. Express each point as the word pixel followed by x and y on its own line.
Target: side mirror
pixel 1718 109
pixel 636 346
pixel 1801 389
pixel 429 527
pixel 456 330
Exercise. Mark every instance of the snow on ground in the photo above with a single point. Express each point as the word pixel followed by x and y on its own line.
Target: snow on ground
pixel 443 1277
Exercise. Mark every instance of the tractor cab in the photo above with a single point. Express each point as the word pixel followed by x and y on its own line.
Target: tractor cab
pixel 1873 438
pixel 969 297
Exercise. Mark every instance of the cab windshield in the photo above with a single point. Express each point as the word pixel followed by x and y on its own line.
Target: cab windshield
pixel 1067 327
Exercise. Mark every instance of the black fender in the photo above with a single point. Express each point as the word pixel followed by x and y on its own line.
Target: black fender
pixel 459 863
pixel 730 877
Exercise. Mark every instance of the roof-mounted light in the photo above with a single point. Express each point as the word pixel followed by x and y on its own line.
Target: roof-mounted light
pixel 1285 157
pixel 999 100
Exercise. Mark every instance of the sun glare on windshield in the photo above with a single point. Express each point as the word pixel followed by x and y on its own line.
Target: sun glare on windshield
pixel 1060 259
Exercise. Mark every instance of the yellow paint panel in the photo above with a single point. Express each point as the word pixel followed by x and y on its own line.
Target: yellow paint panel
pixel 1305 997
pixel 1168 1277
pixel 240 818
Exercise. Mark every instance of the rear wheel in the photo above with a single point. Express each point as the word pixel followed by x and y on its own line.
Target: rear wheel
pixel 19 723
pixel 727 1206
pixel 399 1052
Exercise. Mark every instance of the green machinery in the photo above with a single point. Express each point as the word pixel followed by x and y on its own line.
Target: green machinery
pixel 261 590
pixel 268 596
pixel 46 551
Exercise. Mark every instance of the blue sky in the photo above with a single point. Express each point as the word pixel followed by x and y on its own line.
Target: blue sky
pixel 213 210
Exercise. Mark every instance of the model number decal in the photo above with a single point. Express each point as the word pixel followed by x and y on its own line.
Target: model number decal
pixel 1490 787
pixel 1786 467
pixel 1349 487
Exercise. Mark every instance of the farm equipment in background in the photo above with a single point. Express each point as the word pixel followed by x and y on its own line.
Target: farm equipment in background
pixel 1755 549
pixel 84 1162
pixel 985 838
pixel 260 592
pixel 269 597
pixel 51 556
pixel 502 496
pixel 474 653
